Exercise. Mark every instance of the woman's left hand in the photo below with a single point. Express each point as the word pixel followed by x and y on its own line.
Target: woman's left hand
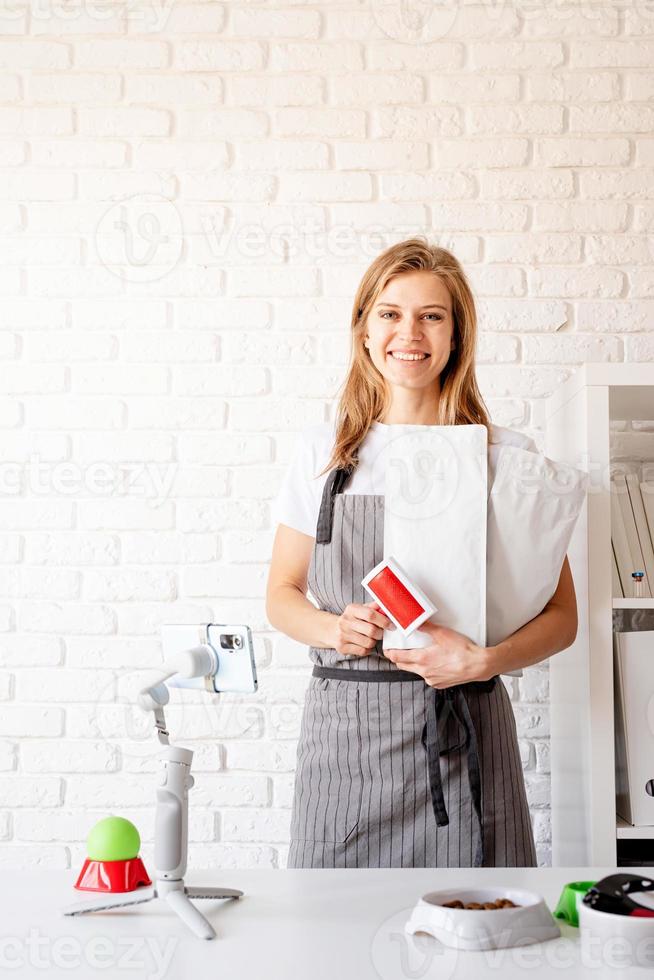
pixel 451 658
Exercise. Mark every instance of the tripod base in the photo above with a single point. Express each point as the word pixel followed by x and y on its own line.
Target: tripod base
pixel 175 893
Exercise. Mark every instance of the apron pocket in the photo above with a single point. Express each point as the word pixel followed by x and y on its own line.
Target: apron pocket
pixel 328 780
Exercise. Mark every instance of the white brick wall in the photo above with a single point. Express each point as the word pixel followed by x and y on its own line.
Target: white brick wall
pixel 190 193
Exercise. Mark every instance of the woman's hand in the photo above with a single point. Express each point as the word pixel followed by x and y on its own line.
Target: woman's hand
pixel 451 658
pixel 358 628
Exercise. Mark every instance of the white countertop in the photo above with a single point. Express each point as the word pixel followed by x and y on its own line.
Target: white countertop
pixel 289 925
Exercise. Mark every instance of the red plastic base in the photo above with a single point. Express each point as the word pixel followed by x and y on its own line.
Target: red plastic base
pixel 112 876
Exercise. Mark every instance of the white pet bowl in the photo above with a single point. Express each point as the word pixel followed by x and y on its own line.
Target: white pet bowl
pixel 634 935
pixel 484 928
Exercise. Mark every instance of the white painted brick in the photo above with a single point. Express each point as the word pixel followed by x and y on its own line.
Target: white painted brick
pixel 171 88
pixel 275 23
pixel 117 54
pixel 112 652
pixel 31 791
pixel 514 119
pixel 321 122
pixel 532 249
pixel 6 686
pixel 74 87
pixel 639 348
pixel 219 56
pixel 222 314
pixel 381 155
pixel 519 54
pixel 273 90
pixel 174 155
pixel 20 720
pixel 282 791
pixel 289 155
pixel 573 87
pixel 497 281
pixel 422 122
pixel 527 753
pixel 120 378
pixel 370 89
pixel 33 651
pixel 36 514
pixel 65 684
pixel 39 122
pixel 67 412
pixel 419 187
pixel 184 18
pixel 202 412
pixel 518 185
pixel 462 89
pixel 610 54
pixel 266 757
pixel 542 747
pixel 122 585
pixel 29 856
pixel 61 756
pixel 41 617
pixel 618 317
pixel 8 759
pixel 255 825
pixel 571 348
pixel 538 788
pixel 591 216
pixel 123 121
pixel 346 56
pixel 231 857
pixel 26 53
pixel 47 583
pixel 497 349
pixel 115 792
pixel 531 721
pixel 391 56
pixel 615 118
pixel 224 123
pixel 78 153
pixel 583 283
pixel 565 21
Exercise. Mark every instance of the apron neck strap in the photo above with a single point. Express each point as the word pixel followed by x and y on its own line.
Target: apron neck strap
pixel 336 480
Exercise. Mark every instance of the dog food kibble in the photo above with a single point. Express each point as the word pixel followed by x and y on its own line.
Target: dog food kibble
pixel 499 903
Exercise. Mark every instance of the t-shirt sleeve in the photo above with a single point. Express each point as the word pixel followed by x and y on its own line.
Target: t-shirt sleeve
pixel 297 503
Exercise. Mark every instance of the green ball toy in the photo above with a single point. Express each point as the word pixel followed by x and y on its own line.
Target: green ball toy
pixel 113 839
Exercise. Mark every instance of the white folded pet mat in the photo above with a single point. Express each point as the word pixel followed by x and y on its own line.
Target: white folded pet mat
pixel 481 530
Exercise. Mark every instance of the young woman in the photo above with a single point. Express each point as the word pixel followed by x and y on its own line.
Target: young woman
pixel 406 758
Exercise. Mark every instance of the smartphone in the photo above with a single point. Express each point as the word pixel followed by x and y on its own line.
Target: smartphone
pixel 234 651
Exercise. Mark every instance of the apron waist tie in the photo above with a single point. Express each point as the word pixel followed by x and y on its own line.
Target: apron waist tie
pixel 455 698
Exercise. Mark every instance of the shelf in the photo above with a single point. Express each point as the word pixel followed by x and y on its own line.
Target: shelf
pixel 633 603
pixel 625 831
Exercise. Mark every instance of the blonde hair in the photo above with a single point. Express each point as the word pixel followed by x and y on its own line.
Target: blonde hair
pixel 366 393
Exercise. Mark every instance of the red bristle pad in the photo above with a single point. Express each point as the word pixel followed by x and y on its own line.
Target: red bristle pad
pixel 396 597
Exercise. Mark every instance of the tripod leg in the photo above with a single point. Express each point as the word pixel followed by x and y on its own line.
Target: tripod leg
pixel 208 892
pixel 188 913
pixel 111 902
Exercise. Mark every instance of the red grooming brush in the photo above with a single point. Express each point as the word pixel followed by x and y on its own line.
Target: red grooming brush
pixel 402 601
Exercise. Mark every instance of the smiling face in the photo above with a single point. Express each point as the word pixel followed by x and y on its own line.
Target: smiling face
pixel 410 330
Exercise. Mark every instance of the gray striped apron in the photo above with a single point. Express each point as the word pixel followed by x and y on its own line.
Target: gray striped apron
pixel 390 771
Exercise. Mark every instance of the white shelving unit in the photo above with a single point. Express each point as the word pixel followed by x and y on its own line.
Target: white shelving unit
pixel 585 827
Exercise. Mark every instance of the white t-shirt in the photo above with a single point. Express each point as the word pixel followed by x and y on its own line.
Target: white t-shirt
pixel 297 504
